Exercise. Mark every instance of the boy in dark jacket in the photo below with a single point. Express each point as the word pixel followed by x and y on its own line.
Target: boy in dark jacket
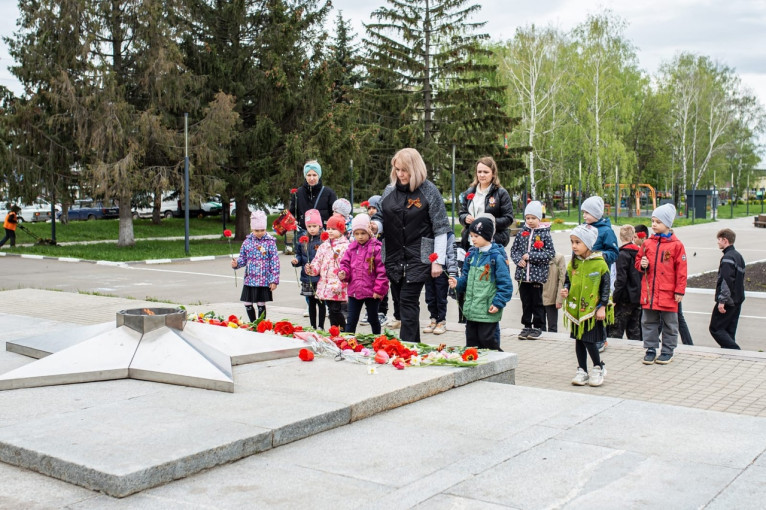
pixel 662 260
pixel 729 292
pixel 532 252
pixel 627 289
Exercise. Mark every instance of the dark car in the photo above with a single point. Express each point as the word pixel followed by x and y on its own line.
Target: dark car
pixel 93 210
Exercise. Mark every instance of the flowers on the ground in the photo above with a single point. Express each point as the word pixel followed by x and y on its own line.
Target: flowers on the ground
pixel 384 349
pixel 305 355
pixel 470 354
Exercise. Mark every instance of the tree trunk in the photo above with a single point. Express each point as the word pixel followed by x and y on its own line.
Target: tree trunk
pixel 126 221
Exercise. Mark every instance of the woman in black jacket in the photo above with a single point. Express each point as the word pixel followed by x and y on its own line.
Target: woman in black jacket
pixel 312 195
pixel 415 223
pixel 486 195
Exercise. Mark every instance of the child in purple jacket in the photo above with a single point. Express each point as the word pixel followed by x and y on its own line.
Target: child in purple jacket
pixel 363 269
pixel 260 259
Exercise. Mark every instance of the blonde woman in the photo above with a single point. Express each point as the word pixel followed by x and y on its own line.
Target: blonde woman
pixel 415 239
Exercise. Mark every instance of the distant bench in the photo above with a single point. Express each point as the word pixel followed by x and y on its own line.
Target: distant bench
pixel 760 221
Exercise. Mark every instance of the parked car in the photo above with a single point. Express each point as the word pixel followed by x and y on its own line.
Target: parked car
pixel 39 210
pixel 168 207
pixel 89 209
pixel 199 209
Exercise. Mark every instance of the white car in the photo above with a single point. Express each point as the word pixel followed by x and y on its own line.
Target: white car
pixel 168 208
pixel 39 210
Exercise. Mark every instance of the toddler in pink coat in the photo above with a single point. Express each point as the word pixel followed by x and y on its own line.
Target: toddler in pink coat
pixel 362 268
pixel 326 264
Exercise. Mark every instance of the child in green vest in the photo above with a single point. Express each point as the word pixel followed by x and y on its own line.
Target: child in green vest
pixel 587 307
pixel 486 282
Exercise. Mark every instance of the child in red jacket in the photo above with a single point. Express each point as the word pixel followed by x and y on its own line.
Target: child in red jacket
pixel 662 261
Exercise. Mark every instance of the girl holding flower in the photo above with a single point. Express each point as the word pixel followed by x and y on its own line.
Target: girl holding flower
pixel 260 259
pixel 532 252
pixel 305 252
pixel 326 265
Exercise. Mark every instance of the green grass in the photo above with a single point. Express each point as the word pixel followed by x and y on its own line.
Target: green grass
pixel 98 230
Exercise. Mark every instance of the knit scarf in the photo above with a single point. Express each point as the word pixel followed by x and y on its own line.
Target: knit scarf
pixel 580 305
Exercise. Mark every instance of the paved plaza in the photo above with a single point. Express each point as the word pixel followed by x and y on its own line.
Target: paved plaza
pixel 690 434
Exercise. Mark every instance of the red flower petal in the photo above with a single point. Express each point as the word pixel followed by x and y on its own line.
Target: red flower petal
pixel 538 244
pixel 334 331
pixel 305 355
pixel 227 233
pixel 433 257
pixel 525 233
pixel 641 235
pixel 470 196
pixel 365 204
pixel 470 354
pixel 325 236
pixel 294 190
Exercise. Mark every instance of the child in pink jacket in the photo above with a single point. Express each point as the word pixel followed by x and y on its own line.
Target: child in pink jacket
pixel 326 265
pixel 365 273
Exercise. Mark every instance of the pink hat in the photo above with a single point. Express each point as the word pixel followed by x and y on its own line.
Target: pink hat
pixel 337 222
pixel 258 220
pixel 360 222
pixel 312 217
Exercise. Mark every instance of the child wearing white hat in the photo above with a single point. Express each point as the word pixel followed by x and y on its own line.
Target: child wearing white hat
pixel 260 259
pixel 586 306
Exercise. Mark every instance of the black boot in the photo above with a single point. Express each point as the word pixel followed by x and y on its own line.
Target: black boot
pixel 250 312
pixel 262 312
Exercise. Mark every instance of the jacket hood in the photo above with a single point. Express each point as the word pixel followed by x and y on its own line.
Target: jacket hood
pixel 603 221
pixel 629 246
pixel 543 226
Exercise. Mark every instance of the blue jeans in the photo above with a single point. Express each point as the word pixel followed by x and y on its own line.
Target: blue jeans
pixel 355 308
pixel 436 297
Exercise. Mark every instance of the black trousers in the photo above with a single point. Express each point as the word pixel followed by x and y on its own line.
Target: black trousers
pixel 583 349
pixel 335 313
pixel 481 335
pixel 436 297
pixel 316 310
pixel 10 235
pixel 532 308
pixel 355 307
pixel 723 326
pixel 627 319
pixel 407 295
pixel 551 318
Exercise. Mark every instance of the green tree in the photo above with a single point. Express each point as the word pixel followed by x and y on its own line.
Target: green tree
pixel 432 84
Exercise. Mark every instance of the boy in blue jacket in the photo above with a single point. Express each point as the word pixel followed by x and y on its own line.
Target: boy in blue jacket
pixel 593 214
pixel 486 282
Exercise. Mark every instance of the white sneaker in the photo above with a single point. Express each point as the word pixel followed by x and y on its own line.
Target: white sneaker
pixel 580 378
pixel 440 328
pixel 382 319
pixel 306 312
pixel 597 377
pixel 430 327
pixel 364 321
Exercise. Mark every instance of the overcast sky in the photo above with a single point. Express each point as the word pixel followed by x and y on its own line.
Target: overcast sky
pixel 731 31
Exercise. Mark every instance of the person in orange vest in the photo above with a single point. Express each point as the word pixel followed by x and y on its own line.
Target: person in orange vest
pixel 10 225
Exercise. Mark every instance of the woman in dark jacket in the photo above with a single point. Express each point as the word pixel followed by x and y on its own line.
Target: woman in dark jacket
pixel 312 195
pixel 486 195
pixel 416 226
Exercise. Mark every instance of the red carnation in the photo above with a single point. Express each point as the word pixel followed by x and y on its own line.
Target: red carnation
pixel 525 233
pixel 305 355
pixel 264 326
pixel 227 233
pixel 366 203
pixel 294 190
pixel 233 318
pixel 538 244
pixel 303 239
pixel 641 235
pixel 470 196
pixel 334 331
pixel 470 354
pixel 284 328
pixel 325 236
pixel 433 257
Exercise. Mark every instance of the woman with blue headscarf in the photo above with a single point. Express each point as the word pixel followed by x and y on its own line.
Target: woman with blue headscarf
pixel 312 195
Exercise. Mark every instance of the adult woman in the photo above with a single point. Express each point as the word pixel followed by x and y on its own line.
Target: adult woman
pixel 416 226
pixel 486 195
pixel 312 195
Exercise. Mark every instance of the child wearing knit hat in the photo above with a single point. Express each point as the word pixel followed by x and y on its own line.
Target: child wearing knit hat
pixel 532 251
pixel 486 278
pixel 260 259
pixel 343 208
pixel 363 270
pixel 587 306
pixel 593 214
pixel 305 251
pixel 326 264
pixel 662 261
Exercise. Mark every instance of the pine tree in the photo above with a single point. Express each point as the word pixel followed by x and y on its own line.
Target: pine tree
pixel 426 60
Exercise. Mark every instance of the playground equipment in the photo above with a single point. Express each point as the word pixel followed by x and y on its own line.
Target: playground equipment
pixel 644 195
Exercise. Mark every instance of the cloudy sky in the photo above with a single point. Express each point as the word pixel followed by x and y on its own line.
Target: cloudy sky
pixel 730 31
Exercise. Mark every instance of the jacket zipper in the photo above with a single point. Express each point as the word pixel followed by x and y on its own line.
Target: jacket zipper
pixel 654 276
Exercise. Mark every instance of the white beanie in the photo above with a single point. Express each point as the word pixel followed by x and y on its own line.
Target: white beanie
pixel 342 207
pixel 534 208
pixel 594 206
pixel 258 220
pixel 666 213
pixel 588 234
